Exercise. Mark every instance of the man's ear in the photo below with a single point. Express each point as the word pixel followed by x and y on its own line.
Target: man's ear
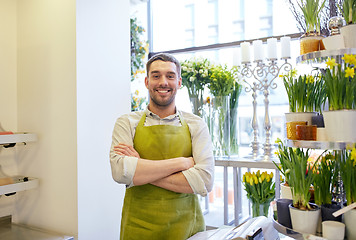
pixel 146 82
pixel 180 82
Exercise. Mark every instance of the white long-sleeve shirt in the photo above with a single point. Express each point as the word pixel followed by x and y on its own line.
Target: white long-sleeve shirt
pixel 200 177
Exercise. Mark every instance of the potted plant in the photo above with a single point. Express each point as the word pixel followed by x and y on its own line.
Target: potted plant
pixel 196 74
pixel 325 175
pixel 340 87
pixel 348 10
pixel 347 159
pixel 221 85
pixel 260 190
pixel 304 215
pixel 311 39
pixel 306 96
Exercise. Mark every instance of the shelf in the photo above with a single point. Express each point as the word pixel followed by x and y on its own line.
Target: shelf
pixel 13 231
pixel 18 138
pixel 318 144
pixel 19 185
pixel 321 56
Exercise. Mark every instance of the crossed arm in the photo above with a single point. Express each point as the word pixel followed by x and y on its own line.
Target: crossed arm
pixel 164 173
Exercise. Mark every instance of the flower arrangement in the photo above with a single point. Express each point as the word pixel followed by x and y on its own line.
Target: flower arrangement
pixel 323 179
pixel 222 80
pixel 139 48
pixel 347 160
pixel 306 93
pixel 340 83
pixel 348 11
pixel 296 168
pixel 260 190
pixel 137 103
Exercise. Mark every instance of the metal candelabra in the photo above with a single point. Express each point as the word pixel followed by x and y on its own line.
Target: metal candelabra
pixel 263 76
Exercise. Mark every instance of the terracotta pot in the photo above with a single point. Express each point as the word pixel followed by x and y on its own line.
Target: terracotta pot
pixel 311 43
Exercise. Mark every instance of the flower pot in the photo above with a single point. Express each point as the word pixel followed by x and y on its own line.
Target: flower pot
pixel 283 215
pixel 333 230
pixel 327 211
pixel 350 220
pixel 300 116
pixel 349 33
pixel 286 191
pixel 291 128
pixel 309 43
pixel 305 221
pixel 340 125
pixel 334 42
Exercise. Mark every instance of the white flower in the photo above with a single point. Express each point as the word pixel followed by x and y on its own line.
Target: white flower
pixel 191 78
pixel 201 71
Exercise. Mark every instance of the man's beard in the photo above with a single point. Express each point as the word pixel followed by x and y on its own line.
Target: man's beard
pixel 163 102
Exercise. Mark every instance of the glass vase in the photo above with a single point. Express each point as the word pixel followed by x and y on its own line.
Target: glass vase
pixel 197 103
pixel 220 125
pixel 260 209
pixel 234 134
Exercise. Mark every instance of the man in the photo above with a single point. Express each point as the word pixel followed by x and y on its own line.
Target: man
pixel 164 156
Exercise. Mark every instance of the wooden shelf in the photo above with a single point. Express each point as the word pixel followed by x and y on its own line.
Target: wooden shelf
pixel 17 138
pixel 19 185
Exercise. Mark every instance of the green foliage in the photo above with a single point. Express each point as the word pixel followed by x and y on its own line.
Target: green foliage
pixel 347 160
pixel 306 93
pixel 348 11
pixel 311 10
pixel 222 80
pixel 139 48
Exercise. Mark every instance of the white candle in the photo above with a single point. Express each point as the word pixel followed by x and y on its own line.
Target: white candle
pixel 257 50
pixel 245 52
pixel 272 48
pixel 285 47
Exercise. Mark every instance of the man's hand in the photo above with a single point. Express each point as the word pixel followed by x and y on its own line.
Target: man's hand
pixel 126 150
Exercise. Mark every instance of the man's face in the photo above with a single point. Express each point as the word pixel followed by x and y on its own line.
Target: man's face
pixel 162 83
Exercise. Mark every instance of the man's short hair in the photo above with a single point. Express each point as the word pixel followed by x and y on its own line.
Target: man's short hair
pixel 165 57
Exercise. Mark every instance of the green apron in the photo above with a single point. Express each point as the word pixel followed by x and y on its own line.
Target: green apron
pixel 152 212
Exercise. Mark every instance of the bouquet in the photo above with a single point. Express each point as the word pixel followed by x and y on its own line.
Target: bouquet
pixel 340 83
pixel 260 190
pixel 137 103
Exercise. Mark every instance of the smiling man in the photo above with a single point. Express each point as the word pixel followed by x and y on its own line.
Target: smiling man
pixel 164 157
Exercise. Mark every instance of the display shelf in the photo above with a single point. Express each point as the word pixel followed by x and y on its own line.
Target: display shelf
pixel 17 138
pixel 321 56
pixel 318 144
pixel 13 231
pixel 20 184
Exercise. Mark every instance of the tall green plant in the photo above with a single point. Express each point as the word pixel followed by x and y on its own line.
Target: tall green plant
pixel 348 11
pixel 347 159
pixel 311 10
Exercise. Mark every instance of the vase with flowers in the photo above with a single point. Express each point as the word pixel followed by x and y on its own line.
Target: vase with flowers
pixel 340 87
pixel 348 10
pixel 221 85
pixel 196 74
pixel 306 96
pixel 311 40
pixel 295 166
pixel 260 190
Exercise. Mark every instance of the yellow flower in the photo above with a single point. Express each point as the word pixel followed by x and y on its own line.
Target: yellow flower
pixel 268 178
pixel 251 181
pixel 293 72
pixel 348 58
pixel 260 180
pixel 137 92
pixel 349 72
pixel 309 79
pixel 331 63
pixel 353 154
pixel 255 180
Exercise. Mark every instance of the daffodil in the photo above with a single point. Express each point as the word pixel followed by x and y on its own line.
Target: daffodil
pixel 331 63
pixel 348 58
pixel 349 72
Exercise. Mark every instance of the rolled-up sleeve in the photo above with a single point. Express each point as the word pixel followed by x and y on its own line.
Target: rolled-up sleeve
pixel 122 167
pixel 201 176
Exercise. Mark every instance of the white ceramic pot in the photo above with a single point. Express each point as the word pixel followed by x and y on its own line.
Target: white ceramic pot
pixel 286 192
pixel 300 116
pixel 334 42
pixel 305 221
pixel 349 33
pixel 340 125
pixel 350 220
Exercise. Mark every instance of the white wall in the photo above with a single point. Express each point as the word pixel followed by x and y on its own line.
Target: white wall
pixel 103 93
pixel 64 74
